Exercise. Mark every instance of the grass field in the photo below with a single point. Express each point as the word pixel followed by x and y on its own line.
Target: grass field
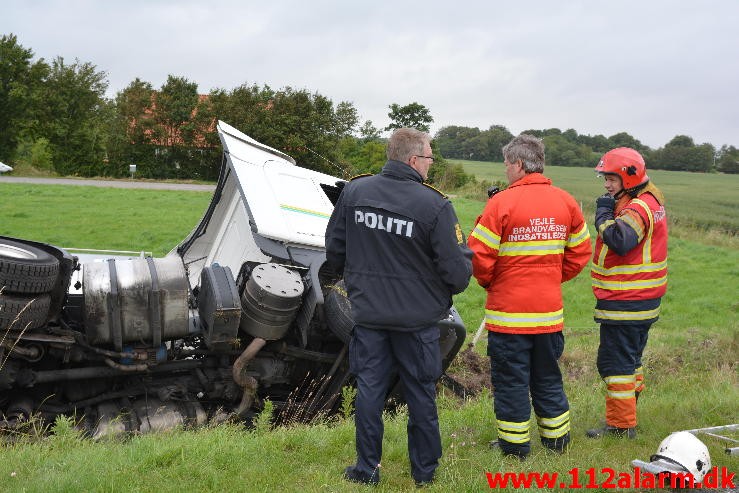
pixel 100 218
pixel 691 364
pixel 698 200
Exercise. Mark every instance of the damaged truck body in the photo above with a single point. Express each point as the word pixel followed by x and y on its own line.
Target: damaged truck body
pixel 242 310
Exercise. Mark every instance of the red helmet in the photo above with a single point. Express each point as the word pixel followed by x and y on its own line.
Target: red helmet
pixel 626 163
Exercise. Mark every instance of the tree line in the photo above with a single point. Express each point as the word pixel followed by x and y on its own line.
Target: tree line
pixel 568 148
pixel 54 116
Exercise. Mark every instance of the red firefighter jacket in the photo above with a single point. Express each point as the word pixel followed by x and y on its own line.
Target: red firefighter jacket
pixel 628 285
pixel 529 239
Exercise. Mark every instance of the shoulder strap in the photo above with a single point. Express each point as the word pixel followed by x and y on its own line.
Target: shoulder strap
pixel 435 190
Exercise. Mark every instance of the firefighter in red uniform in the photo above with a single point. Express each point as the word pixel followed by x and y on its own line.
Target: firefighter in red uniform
pixel 629 275
pixel 530 238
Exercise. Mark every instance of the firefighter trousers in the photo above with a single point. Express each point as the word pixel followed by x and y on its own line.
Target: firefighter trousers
pixel 620 366
pixel 523 365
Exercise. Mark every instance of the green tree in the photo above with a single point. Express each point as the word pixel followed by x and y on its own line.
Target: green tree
pixel 681 154
pixel 71 112
pixel 411 115
pixel 359 156
pixel 368 131
pixel 19 83
pixel 543 133
pixel 131 131
pixel 727 159
pixel 453 141
pixel 173 109
pixel 563 152
pixel 623 139
pixel 306 126
pixel 246 107
pixel 497 136
pixel 177 132
pixel 599 143
pixel 346 119
pixel 35 154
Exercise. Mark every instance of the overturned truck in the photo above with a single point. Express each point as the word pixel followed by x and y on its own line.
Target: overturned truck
pixel 243 310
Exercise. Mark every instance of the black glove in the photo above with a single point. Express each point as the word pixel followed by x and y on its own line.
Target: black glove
pixel 605 201
pixel 492 191
pixel 604 206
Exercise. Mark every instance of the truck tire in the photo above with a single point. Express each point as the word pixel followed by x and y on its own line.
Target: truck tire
pixel 339 312
pixel 25 269
pixel 23 312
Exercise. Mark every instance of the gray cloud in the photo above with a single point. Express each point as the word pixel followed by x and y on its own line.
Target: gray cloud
pixel 654 69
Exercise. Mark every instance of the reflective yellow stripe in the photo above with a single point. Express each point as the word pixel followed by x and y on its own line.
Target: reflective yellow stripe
pixel 625 285
pixel 629 269
pixel 552 422
pixel 554 427
pixel 486 236
pixel 639 379
pixel 514 432
pixel 619 315
pixel 555 433
pixel 619 379
pixel 513 426
pixel 523 438
pixel 630 222
pixel 575 239
pixel 544 247
pixel 507 319
pixel 602 254
pixel 604 225
pixel 621 394
pixel 647 250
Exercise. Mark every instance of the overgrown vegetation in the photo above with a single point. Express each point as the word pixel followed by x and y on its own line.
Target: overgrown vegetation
pixel 692 369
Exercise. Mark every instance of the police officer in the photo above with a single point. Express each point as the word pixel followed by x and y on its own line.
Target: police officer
pixel 403 255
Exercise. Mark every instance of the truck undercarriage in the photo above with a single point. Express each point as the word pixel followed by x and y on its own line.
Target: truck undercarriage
pixel 241 311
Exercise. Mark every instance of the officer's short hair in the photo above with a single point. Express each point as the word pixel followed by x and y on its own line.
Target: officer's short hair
pixel 406 142
pixel 527 148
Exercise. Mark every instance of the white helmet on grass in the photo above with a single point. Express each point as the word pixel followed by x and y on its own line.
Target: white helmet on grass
pixel 685 450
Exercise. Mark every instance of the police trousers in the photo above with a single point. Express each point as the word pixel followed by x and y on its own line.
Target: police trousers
pixel 523 365
pixel 619 364
pixel 376 357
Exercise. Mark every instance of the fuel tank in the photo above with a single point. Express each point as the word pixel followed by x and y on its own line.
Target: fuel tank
pixel 143 300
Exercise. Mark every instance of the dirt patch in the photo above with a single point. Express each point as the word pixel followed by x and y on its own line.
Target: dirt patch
pixel 471 370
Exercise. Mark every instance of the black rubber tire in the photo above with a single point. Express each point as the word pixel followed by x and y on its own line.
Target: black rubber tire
pixel 25 269
pixel 14 314
pixel 339 312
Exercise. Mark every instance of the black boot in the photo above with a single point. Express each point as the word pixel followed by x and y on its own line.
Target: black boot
pixel 612 431
pixel 558 445
pixel 352 474
pixel 510 450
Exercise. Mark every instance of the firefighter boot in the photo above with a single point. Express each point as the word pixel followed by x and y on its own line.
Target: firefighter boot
pixel 612 431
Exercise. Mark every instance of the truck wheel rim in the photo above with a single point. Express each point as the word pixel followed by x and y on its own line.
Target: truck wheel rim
pixel 10 251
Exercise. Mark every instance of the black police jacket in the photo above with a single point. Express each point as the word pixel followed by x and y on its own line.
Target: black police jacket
pixel 400 248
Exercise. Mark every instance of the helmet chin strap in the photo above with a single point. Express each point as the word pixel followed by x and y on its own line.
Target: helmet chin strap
pixel 619 194
pixel 633 191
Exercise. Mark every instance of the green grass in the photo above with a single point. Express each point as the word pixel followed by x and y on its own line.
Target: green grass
pixel 698 200
pixel 691 364
pixel 100 218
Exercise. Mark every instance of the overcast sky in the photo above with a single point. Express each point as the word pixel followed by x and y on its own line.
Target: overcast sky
pixel 652 68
